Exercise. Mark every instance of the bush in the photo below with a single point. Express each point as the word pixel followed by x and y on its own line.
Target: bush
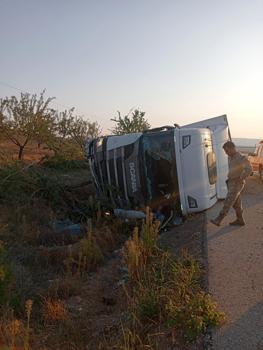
pixel 164 290
pixel 20 184
pixel 61 163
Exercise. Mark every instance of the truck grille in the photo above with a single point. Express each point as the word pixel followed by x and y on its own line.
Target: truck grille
pixel 108 169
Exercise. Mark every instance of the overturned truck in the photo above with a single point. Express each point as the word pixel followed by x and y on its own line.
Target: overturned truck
pixel 168 168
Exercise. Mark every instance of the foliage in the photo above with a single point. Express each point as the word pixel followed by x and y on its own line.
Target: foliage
pixel 72 130
pixel 83 130
pixel 128 124
pixel 30 119
pixel 59 163
pixel 26 118
pixel 22 183
pixel 164 291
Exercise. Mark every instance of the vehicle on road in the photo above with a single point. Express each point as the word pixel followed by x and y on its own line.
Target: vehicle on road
pixel 256 159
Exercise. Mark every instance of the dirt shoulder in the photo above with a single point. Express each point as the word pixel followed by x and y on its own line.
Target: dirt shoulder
pixel 235 257
pixel 189 237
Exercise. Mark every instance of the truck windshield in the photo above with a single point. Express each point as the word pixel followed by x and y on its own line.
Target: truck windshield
pixel 159 164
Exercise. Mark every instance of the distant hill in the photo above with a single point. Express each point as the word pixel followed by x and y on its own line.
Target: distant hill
pixel 246 142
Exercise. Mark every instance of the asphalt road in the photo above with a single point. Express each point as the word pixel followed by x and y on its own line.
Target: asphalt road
pixel 235 262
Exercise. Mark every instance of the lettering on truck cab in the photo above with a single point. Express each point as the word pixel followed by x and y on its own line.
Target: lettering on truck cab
pixel 133 177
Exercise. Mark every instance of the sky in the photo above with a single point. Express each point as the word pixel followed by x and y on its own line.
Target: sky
pixel 179 61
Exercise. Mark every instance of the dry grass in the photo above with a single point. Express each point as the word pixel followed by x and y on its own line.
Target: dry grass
pixel 15 333
pixel 54 311
pixel 11 332
pixel 140 249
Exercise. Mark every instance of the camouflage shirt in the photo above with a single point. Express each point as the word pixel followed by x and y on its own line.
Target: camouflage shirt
pixel 239 167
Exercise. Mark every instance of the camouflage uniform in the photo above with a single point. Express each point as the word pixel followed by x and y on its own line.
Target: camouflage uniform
pixel 239 170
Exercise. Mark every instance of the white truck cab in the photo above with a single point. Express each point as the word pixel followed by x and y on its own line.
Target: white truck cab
pixel 182 167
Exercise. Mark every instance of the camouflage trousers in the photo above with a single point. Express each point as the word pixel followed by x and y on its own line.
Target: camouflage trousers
pixel 233 198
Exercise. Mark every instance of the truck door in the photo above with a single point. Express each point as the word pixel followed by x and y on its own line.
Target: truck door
pixel 220 134
pixel 196 169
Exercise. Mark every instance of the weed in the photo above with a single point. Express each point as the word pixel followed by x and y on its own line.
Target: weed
pixel 132 340
pixel 28 308
pixel 149 233
pixel 139 250
pixel 11 330
pixel 90 254
pixel 54 311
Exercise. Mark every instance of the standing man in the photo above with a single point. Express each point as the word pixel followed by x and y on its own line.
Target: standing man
pixel 239 170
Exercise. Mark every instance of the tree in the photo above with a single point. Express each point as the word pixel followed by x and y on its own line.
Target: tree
pixel 2 117
pixel 82 131
pixel 128 124
pixel 71 128
pixel 25 119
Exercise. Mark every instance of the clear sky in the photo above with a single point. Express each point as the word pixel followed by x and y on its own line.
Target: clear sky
pixel 180 61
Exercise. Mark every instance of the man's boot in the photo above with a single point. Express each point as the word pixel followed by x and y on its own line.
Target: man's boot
pixel 218 219
pixel 239 220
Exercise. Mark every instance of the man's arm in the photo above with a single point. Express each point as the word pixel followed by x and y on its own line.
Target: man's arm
pixel 247 169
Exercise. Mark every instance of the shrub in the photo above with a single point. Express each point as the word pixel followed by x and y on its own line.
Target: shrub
pixel 164 290
pixel 62 163
pixel 21 184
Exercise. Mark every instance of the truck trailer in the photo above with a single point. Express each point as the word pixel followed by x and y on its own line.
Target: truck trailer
pixel 184 168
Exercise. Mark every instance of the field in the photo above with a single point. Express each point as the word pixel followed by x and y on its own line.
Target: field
pixel 246 150
pixel 74 278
